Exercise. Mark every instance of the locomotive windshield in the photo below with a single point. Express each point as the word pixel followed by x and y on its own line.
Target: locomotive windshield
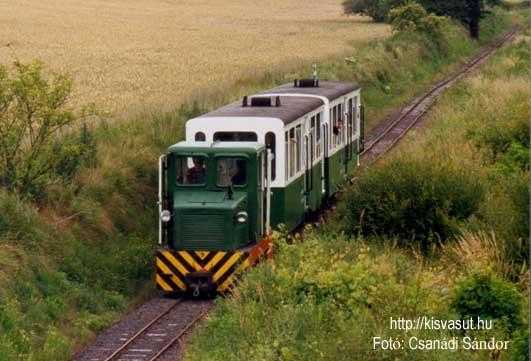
pixel 191 170
pixel 231 171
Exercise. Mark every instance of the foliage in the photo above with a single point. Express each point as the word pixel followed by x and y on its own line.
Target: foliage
pixel 507 143
pixel 412 17
pixel 520 349
pixel 309 302
pixel 33 112
pixel 414 200
pixel 468 12
pixel 376 9
pixel 489 297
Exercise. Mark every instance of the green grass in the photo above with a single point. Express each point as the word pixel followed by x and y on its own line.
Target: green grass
pixel 72 263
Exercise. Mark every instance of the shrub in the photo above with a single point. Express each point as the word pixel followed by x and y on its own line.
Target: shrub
pixel 489 297
pixel 521 346
pixel 412 17
pixel 415 200
pixel 33 113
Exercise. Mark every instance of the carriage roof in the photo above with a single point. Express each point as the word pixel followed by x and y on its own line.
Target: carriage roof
pixel 292 107
pixel 328 89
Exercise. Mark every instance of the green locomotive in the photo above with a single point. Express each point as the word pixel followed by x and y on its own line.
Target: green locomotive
pixel 271 159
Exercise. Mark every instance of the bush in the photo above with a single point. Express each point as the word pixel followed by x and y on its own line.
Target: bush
pixel 415 200
pixel 521 346
pixel 412 17
pixel 489 297
pixel 33 114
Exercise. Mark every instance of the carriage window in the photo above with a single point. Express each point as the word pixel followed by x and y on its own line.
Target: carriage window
pixel 331 122
pixel 334 127
pixel 272 145
pixel 200 137
pixel 318 136
pixel 292 152
pixel 340 123
pixel 298 147
pixel 235 137
pixel 191 170
pixel 231 171
pixel 312 132
pixel 348 129
pixel 354 115
pixel 286 156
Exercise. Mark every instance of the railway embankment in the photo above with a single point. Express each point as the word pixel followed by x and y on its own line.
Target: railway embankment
pixel 74 260
pixel 433 234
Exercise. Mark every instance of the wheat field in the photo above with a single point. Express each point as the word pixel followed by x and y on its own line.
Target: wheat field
pixel 136 55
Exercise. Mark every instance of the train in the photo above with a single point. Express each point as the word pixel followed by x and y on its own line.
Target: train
pixel 273 158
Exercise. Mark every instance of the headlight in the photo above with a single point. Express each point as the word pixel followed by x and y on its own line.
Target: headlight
pixel 165 216
pixel 241 217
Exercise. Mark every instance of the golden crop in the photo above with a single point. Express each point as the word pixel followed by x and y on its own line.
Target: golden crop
pixel 133 55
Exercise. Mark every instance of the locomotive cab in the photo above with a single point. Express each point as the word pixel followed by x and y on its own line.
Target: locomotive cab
pixel 213 211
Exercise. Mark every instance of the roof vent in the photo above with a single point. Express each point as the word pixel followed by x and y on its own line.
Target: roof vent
pixel 306 83
pixel 261 101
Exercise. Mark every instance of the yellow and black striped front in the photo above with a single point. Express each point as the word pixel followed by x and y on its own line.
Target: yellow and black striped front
pixel 174 268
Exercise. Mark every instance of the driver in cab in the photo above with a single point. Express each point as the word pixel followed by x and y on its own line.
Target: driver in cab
pixel 196 174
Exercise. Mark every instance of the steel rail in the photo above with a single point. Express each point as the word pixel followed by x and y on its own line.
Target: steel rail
pixel 141 331
pixel 179 335
pixel 470 65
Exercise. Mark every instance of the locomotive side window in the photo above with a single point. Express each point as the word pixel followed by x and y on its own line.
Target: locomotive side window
pixel 272 145
pixel 191 170
pixel 235 137
pixel 200 137
pixel 231 171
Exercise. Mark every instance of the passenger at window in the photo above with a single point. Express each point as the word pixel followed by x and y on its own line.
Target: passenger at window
pixel 196 174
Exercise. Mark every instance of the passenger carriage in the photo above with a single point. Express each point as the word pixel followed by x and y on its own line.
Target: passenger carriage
pixel 270 159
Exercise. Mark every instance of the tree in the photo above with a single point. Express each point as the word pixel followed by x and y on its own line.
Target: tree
pixel 34 118
pixel 378 10
pixel 468 12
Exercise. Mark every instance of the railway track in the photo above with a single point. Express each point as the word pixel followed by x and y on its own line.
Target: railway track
pixel 155 330
pixel 387 136
pixel 152 332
